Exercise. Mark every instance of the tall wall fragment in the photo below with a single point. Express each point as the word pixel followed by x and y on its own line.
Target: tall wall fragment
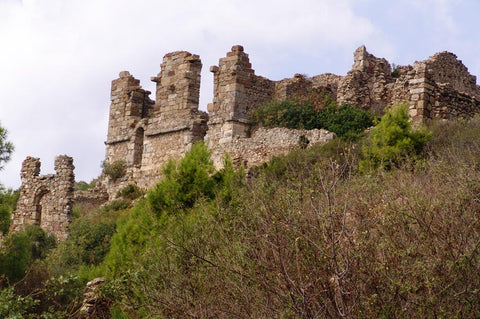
pixel 236 91
pixel 143 133
pixel 46 200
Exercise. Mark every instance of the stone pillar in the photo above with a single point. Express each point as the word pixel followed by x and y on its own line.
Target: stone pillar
pixel 130 104
pixel 421 95
pixel 178 83
pixel 63 192
pixel 24 215
pixel 228 116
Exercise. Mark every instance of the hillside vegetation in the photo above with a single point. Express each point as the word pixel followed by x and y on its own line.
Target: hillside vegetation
pixel 312 234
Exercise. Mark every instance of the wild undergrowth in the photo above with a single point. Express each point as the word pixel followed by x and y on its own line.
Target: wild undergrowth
pixel 307 235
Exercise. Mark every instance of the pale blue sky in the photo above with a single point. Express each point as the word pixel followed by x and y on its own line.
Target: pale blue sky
pixel 58 57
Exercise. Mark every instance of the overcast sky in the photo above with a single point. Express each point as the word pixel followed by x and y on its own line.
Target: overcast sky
pixel 58 57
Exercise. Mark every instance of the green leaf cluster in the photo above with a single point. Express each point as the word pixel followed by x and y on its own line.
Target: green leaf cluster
pixel 183 184
pixel 344 120
pixel 21 249
pixel 14 306
pixel 8 203
pixel 393 140
pixel 292 113
pixel 6 147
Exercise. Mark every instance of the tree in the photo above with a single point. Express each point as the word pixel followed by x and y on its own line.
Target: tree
pixel 6 147
pixel 392 140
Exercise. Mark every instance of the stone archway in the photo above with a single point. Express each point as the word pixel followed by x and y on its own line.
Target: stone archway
pixel 37 204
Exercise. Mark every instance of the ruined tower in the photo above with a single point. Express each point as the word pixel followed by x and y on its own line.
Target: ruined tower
pixel 143 133
pixel 236 91
pixel 46 200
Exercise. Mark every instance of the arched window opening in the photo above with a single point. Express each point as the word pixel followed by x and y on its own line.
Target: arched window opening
pixel 37 203
pixel 138 147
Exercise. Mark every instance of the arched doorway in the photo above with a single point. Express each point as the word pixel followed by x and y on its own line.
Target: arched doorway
pixel 37 204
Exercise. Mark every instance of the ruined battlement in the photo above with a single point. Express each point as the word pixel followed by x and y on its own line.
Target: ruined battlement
pixel 46 200
pixel 144 134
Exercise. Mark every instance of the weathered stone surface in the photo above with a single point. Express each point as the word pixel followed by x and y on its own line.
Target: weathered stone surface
pixel 265 143
pixel 46 200
pixel 94 305
pixel 145 134
pixel 95 196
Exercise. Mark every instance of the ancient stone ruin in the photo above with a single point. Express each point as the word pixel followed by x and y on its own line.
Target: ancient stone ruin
pixel 46 200
pixel 143 134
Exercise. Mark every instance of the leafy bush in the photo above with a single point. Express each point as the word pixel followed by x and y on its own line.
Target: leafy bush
pixel 6 147
pixel 116 205
pixel 393 140
pixel 13 306
pixel 114 170
pixel 8 203
pixel 21 249
pixel 293 113
pixel 87 244
pixel 130 192
pixel 83 186
pixel 184 183
pixel 345 121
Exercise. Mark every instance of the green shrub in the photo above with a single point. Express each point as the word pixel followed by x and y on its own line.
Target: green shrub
pixel 133 232
pixel 116 205
pixel 344 120
pixel 21 249
pixel 5 219
pixel 184 183
pixel 130 192
pixel 8 203
pixel 393 140
pixel 83 186
pixel 293 114
pixel 13 306
pixel 114 170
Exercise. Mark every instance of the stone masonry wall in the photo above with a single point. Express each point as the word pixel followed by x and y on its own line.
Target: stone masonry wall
pixel 147 134
pixel 151 132
pixel 365 86
pixel 144 134
pixel 441 87
pixel 265 143
pixel 46 200
pixel 236 91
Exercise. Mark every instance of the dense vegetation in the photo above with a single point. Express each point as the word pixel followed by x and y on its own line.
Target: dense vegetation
pixel 315 111
pixel 307 235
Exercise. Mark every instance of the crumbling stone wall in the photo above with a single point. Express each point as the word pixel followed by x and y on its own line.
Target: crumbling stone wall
pixel 236 91
pixel 143 133
pixel 365 86
pixel 265 143
pixel 442 87
pixel 46 200
pixel 92 197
